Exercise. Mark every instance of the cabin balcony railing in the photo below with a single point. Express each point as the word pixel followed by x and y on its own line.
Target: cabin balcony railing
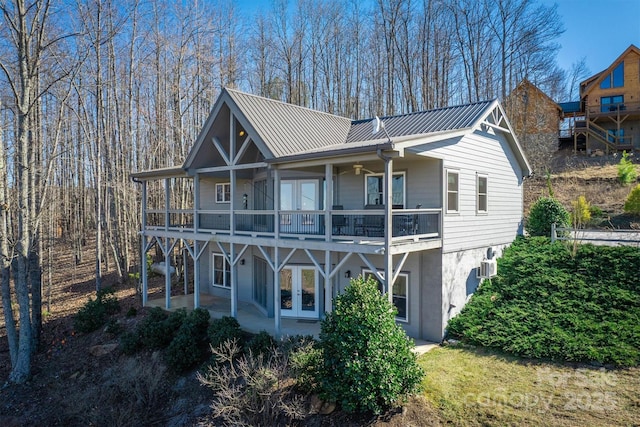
pixel 613 109
pixel 366 224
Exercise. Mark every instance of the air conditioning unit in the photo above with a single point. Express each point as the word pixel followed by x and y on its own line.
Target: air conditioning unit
pixel 487 269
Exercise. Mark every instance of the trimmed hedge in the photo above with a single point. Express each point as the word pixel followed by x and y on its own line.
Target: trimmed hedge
pixel 546 303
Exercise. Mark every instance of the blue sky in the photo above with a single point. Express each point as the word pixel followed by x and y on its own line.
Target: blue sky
pixel 598 30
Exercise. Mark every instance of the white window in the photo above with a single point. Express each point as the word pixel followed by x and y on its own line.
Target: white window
pixel 374 193
pixel 223 193
pixel 399 293
pixel 221 271
pixel 453 185
pixel 482 196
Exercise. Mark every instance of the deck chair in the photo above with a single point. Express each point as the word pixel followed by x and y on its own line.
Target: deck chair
pixel 338 222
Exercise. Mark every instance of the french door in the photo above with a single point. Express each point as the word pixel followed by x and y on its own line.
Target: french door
pixel 299 291
pixel 299 195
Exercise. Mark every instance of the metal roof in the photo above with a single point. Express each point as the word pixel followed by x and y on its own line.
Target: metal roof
pixel 423 122
pixel 288 129
pixel 570 107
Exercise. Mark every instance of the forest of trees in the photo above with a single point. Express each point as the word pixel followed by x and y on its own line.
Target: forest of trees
pixel 91 90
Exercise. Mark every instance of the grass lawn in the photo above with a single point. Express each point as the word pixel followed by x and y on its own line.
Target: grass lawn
pixel 482 387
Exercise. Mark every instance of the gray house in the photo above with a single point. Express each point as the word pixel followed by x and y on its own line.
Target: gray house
pixel 290 203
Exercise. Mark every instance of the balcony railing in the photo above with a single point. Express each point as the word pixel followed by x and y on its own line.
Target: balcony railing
pixel 345 224
pixel 617 108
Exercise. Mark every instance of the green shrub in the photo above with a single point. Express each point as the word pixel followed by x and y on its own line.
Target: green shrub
pixel 130 343
pixel 626 170
pixel 114 327
pixel 158 328
pixel 595 212
pixel 262 343
pixel 544 212
pixel 94 313
pixel 221 330
pixel 632 204
pixel 198 322
pixel 186 348
pixel 368 364
pixel 547 303
pixel 184 351
pixel 306 361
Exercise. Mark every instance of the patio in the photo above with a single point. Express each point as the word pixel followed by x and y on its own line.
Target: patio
pixel 249 317
pixel 253 321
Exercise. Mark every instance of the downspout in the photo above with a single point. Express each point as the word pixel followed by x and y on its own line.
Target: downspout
pixel 388 221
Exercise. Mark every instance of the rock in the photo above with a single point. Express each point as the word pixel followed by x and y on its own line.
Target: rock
pixel 101 350
pixel 327 408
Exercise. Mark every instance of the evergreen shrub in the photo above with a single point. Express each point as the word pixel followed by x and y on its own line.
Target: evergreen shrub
pixel 544 212
pixel 367 362
pixel 95 312
pixel 547 302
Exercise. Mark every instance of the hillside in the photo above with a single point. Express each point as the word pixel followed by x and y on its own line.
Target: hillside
pixel 63 390
pixel 592 177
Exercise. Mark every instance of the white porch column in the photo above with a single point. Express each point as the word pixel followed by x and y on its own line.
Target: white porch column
pixel 328 178
pixel 167 246
pixel 276 290
pixel 167 273
pixel 276 255
pixel 143 252
pixel 234 281
pixel 388 227
pixel 196 250
pixel 328 286
pixel 196 274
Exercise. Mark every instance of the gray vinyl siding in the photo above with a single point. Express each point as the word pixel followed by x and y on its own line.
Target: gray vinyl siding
pixel 490 155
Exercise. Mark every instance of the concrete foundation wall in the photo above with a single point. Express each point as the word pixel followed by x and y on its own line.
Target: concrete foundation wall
pixel 459 279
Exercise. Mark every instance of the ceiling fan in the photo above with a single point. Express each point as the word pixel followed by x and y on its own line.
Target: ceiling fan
pixel 358 168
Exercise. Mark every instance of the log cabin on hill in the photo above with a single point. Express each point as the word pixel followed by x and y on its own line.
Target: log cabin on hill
pixel 290 203
pixel 608 114
pixel 531 111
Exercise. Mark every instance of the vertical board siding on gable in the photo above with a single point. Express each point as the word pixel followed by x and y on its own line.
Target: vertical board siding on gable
pixel 491 155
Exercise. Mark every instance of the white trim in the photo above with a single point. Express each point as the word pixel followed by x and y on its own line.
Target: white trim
pixel 395 173
pixel 446 191
pixel 225 265
pixel 222 184
pixel 480 176
pixel 366 271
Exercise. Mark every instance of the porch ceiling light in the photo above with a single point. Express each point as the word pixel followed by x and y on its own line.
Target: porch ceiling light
pixel 358 168
pixel 242 133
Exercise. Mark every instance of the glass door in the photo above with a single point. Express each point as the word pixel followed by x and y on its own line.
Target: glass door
pixel 299 195
pixel 299 292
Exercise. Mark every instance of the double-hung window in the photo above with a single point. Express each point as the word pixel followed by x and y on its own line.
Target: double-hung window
pixel 482 202
pixel 453 186
pixel 223 193
pixel 221 271
pixel 399 293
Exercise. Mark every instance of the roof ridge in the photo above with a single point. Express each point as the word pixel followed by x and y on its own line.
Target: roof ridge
pixel 449 107
pixel 287 104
